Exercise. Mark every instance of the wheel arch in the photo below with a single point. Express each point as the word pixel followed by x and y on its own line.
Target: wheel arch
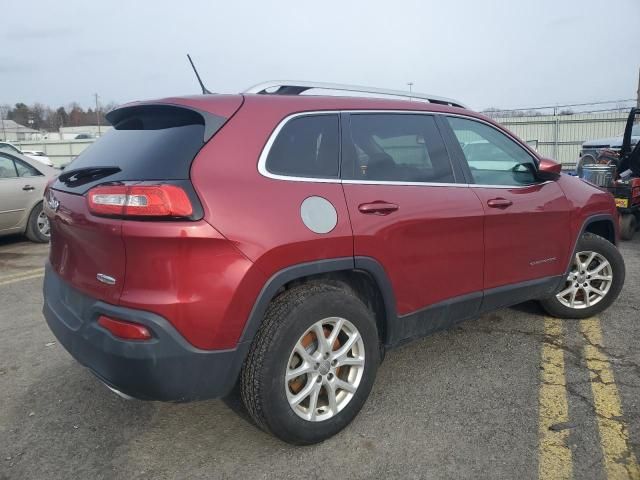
pixel 363 276
pixel 602 225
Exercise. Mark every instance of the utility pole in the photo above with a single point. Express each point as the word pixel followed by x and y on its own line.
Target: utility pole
pixel 555 132
pixel 410 89
pixel 638 93
pixel 97 114
pixel 4 128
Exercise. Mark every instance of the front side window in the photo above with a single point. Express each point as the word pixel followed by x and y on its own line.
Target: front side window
pixel 493 158
pixel 396 147
pixel 7 168
pixel 307 146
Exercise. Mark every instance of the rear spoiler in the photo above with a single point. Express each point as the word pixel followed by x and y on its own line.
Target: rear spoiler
pixel 150 116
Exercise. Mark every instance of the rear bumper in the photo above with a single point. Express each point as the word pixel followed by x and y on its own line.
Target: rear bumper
pixel 165 368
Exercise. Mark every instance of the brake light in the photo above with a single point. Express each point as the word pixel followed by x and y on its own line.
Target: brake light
pixel 124 330
pixel 139 200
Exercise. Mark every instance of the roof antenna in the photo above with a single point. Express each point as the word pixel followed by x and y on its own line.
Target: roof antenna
pixel 204 89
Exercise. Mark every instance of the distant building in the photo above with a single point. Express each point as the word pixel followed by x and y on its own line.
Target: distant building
pixel 82 132
pixel 11 131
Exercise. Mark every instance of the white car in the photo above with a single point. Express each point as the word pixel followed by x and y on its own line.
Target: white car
pixel 34 154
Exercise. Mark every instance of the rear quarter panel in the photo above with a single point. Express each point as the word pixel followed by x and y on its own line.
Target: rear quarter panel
pixel 191 275
pixel 260 215
pixel 260 218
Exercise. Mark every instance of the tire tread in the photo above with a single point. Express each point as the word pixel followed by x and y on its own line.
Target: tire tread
pixel 278 309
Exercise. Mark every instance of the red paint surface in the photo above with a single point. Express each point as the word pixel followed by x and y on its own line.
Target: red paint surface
pixel 528 239
pixel 83 245
pixel 429 253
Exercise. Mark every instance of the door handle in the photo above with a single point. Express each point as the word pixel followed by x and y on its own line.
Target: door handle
pixel 499 203
pixel 378 208
pixel 28 188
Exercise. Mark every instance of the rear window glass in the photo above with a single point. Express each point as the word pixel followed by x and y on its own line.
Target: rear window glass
pixel 306 146
pixel 147 143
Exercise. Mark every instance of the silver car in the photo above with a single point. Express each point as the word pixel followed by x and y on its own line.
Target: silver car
pixel 22 184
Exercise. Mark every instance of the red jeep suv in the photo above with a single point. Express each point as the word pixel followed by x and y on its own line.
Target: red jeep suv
pixel 280 242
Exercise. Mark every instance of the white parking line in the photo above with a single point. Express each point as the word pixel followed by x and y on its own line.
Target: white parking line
pixel 20 279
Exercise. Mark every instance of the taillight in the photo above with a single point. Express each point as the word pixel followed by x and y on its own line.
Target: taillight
pixel 139 201
pixel 124 330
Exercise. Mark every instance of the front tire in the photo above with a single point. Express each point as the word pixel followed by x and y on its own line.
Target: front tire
pixel 593 283
pixel 311 365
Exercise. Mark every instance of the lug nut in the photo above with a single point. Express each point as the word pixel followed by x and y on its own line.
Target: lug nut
pixel 330 376
pixel 334 363
pixel 319 379
pixel 585 284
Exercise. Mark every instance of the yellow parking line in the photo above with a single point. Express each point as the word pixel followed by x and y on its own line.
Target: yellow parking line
pixel 554 460
pixel 620 462
pixel 20 279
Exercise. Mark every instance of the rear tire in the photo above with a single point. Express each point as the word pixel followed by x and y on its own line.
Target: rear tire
pixel 38 229
pixel 628 226
pixel 267 387
pixel 601 269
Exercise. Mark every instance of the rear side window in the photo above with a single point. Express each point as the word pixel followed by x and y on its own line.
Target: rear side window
pixel 493 158
pixel 307 146
pixel 396 147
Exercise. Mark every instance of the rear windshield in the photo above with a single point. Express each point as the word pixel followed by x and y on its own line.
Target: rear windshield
pixel 154 142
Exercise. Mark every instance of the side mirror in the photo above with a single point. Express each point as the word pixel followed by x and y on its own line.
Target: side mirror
pixel 549 170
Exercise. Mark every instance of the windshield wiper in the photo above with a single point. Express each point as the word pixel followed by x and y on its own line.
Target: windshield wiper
pixel 80 176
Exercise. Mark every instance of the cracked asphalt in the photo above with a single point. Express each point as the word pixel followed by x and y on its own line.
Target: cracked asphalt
pixel 491 398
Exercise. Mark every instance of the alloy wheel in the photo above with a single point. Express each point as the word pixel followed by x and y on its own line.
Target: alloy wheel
pixel 43 224
pixel 325 369
pixel 588 282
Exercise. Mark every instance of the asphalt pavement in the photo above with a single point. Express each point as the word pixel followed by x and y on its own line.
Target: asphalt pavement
pixel 510 395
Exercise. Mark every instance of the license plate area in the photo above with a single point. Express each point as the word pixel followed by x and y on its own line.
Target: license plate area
pixel 622 202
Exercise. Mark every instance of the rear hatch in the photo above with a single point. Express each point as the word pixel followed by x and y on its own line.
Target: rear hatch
pixel 150 144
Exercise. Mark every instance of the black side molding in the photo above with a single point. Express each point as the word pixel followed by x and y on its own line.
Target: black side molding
pixel 436 317
pixel 508 295
pixel 281 278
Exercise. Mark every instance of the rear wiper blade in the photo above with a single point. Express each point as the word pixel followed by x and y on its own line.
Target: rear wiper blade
pixel 82 175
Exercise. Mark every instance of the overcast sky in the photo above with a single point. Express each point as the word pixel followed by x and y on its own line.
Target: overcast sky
pixel 484 53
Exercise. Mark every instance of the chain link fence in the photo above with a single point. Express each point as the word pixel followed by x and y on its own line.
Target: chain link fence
pixel 558 132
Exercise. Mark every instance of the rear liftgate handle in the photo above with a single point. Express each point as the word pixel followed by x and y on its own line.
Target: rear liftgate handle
pixel 378 208
pixel 499 203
